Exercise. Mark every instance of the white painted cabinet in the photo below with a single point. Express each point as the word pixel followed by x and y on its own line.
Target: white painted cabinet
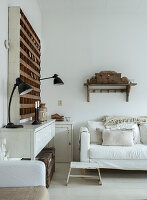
pixel 63 141
pixel 27 142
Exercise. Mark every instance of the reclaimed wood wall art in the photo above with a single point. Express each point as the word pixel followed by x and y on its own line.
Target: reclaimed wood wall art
pixel 29 66
pixel 26 45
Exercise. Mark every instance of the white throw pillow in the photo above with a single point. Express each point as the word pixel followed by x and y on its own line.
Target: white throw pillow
pixel 120 126
pixel 143 133
pixel 113 120
pixel 99 132
pixel 128 126
pixel 117 138
pixel 136 132
pixel 92 126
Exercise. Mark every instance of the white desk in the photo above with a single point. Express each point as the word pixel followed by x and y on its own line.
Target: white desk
pixel 27 142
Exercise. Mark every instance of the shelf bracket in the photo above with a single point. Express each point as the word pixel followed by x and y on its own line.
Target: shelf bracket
pixel 128 88
pixel 88 94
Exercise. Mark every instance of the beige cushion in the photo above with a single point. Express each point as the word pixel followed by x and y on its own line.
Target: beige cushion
pixel 99 132
pixel 128 126
pixel 143 132
pixel 114 120
pixel 92 126
pixel 117 138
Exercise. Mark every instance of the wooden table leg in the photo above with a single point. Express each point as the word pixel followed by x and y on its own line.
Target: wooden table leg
pixel 100 179
pixel 83 171
pixel 68 176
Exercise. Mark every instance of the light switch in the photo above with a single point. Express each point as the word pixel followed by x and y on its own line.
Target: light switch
pixel 59 102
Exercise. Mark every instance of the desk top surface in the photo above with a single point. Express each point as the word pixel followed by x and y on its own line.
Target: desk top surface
pixel 27 126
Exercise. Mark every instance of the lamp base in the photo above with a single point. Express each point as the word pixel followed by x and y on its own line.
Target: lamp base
pixel 11 125
pixel 36 122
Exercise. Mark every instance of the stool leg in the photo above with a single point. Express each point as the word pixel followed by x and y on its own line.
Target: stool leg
pixel 68 176
pixel 100 179
pixel 83 171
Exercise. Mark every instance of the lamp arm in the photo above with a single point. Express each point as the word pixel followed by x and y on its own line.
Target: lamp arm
pixel 14 87
pixel 46 78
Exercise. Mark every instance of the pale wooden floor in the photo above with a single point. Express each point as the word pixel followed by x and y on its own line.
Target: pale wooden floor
pixel 117 185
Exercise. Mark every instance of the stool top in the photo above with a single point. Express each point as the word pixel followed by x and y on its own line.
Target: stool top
pixel 84 165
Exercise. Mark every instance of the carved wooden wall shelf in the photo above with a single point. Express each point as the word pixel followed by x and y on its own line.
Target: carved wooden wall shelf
pixel 109 78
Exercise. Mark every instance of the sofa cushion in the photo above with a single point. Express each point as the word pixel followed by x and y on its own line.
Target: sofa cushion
pixel 138 151
pixel 143 133
pixel 136 134
pixel 113 120
pixel 94 137
pixel 117 138
pixel 128 126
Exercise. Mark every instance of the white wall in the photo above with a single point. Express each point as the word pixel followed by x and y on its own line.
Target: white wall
pixel 32 11
pixel 3 61
pixel 83 37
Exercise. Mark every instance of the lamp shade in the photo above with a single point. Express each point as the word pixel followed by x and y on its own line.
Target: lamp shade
pixel 57 80
pixel 23 88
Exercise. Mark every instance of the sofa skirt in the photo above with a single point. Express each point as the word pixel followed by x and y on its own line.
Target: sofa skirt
pixel 121 164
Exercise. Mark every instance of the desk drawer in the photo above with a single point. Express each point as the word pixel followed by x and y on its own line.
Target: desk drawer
pixel 42 138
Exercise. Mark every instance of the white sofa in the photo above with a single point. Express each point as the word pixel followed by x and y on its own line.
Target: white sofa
pixel 114 157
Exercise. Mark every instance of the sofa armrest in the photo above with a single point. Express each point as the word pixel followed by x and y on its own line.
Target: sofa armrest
pixel 22 173
pixel 85 144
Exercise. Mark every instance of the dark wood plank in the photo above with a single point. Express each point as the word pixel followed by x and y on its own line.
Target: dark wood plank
pixel 27 116
pixel 30 49
pixel 29 29
pixel 30 40
pixel 30 96
pixel 27 105
pixel 33 62
pixel 29 77
pixel 30 68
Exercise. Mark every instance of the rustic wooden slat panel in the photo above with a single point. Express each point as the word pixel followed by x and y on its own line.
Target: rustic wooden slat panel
pixel 27 105
pixel 29 77
pixel 30 49
pixel 30 68
pixel 36 89
pixel 31 32
pixel 33 62
pixel 27 116
pixel 29 25
pixel 26 20
pixel 24 32
pixel 30 96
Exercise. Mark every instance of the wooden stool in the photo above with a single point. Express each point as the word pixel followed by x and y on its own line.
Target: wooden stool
pixel 84 165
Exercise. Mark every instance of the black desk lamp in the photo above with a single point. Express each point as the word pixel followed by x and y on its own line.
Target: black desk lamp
pixel 23 88
pixel 57 80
